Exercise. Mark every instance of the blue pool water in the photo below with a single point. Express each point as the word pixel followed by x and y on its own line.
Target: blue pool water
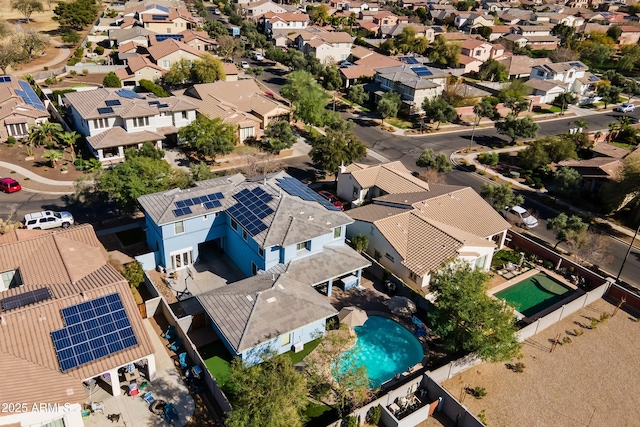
pixel 384 347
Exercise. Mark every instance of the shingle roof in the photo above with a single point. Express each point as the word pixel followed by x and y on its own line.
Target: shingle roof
pixel 72 265
pixel 259 309
pixel 522 64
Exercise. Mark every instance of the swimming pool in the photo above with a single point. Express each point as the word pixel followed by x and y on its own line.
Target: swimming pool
pixel 534 294
pixel 384 347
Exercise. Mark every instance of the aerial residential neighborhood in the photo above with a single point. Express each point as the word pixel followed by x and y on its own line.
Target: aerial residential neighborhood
pixel 322 214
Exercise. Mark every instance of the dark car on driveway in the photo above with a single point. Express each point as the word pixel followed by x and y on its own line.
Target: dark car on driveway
pixel 333 199
pixel 9 185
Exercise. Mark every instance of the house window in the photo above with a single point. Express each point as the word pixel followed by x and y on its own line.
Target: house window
pixel 478 52
pixel 356 192
pixel 10 279
pixel 178 227
pixel 18 129
pixel 184 115
pixel 413 276
pixel 377 255
pixel 244 234
pixel 389 257
pixel 337 232
pixel 246 133
pixel 166 63
pixel 181 258
pixel 285 339
pixel 480 261
pixel 570 74
pixel 261 252
pixel 540 73
pixel 254 268
pixel 100 123
pixel 234 224
pixel 140 121
pixel 303 246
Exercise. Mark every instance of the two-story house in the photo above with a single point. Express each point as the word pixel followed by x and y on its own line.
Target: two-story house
pixel 139 67
pixel 629 35
pixel 254 10
pixel 20 108
pixel 113 120
pixel 414 83
pixel 572 76
pixel 329 47
pixel 68 319
pixel 169 51
pixel 470 20
pixel 474 52
pixel 284 21
pixel 537 37
pixel 282 235
pixel 176 21
pixel 414 228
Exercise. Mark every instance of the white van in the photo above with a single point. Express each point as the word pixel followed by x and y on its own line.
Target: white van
pixel 47 219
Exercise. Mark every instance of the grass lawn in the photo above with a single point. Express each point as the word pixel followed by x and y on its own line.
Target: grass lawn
pixel 217 359
pixel 399 123
pixel 131 237
pixel 318 414
pixel 353 104
pixel 629 147
pixel 308 348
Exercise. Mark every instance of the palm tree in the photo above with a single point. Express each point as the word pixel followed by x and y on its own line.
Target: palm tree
pixel 581 123
pixel 93 165
pixel 69 139
pixel 613 130
pixel 53 156
pixel 597 136
pixel 46 133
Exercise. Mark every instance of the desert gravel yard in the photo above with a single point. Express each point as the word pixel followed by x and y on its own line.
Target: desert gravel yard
pixel 591 381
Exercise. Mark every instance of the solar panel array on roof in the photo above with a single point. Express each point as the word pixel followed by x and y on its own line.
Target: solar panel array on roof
pixel 163 37
pixel 593 78
pixel 408 60
pixel 182 211
pixel 158 17
pixel 163 105
pixel 422 71
pixel 29 96
pixel 25 298
pixel 575 64
pixel 296 188
pixel 152 103
pixel 105 110
pixel 5 79
pixel 128 94
pixel 251 209
pixel 209 201
pixel 93 329
pixel 112 103
pixel 162 8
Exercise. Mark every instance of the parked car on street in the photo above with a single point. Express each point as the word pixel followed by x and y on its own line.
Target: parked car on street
pixel 333 199
pixel 245 64
pixel 9 185
pixel 626 108
pixel 47 219
pixel 520 217
pixel 258 56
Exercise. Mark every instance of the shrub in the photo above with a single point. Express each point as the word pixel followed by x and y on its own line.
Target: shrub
pixel 548 265
pixel 594 323
pixel 85 72
pixel 11 141
pixel 477 392
pixel 489 158
pixel 518 367
pixel 350 421
pixel 79 52
pixel 73 61
pixel 360 242
pixel 73 72
pixel 149 86
pixel 373 415
pixel 134 274
pixel 566 340
pixel 482 416
pixel 604 316
pixel 99 50
pixel 578 332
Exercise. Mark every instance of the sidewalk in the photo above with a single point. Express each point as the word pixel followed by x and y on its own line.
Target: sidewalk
pixel 458 157
pixel 35 183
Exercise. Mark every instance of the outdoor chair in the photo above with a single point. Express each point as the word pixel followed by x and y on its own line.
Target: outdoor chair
pixel 148 397
pixel 97 406
pixel 174 346
pixel 170 333
pixel 182 360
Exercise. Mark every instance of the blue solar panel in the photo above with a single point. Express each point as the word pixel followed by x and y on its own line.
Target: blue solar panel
pixel 25 298
pixel 247 219
pixel 212 205
pixel 82 342
pixel 128 94
pixel 422 71
pixel 163 105
pixel 180 204
pixel 158 17
pixel 112 103
pixel 296 188
pixel 29 96
pixel 5 79
pixel 408 60
pixel 182 211
pixel 105 110
pixel 162 8
pixel 163 37
pixel 152 103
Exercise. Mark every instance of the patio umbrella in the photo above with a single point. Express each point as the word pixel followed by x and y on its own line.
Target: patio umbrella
pixel 401 306
pixel 352 316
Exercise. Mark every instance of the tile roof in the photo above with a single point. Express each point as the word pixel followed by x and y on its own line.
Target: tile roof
pixel 73 265
pixel 14 105
pixel 286 17
pixel 117 136
pixel 561 67
pixel 123 35
pixel 332 262
pixel 522 64
pixel 610 150
pixel 544 85
pixel 88 102
pixel 169 46
pixel 391 177
pixel 596 167
pixel 260 309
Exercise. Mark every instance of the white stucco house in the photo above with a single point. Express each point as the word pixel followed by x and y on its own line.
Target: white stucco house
pixel 113 120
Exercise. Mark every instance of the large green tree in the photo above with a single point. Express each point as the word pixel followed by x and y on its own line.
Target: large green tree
pixel 467 320
pixel 76 14
pixel 444 52
pixel 517 128
pixel 178 74
pixel 336 148
pixel 278 136
pixel 357 94
pixel 11 54
pixel 500 196
pixel 33 41
pixel 307 96
pixel 209 137
pixel 438 110
pixel 27 7
pixel 610 94
pixel 494 71
pixel 567 228
pixel 389 105
pixel 567 182
pixel 111 80
pixel 270 394
pixel 207 69
pixel 136 176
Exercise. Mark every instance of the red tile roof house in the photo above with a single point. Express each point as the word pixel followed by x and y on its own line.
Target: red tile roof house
pixel 20 108
pixel 67 316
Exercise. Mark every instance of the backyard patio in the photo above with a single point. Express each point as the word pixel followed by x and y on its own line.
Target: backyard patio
pixel 135 410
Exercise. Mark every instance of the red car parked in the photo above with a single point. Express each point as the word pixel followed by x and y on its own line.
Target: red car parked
pixel 333 199
pixel 9 185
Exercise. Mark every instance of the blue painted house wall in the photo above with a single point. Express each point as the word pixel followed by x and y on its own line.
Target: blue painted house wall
pixel 254 355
